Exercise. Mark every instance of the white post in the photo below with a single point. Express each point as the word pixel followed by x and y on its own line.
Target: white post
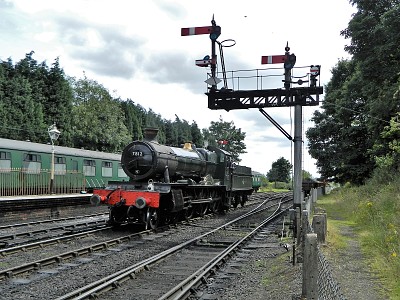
pixel 52 169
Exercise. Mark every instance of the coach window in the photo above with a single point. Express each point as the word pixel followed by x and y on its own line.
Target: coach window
pixel 60 165
pixel 106 169
pixel 74 167
pixel 121 172
pixel 89 167
pixel 5 162
pixel 32 163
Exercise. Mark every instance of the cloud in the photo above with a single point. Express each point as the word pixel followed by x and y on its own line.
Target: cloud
pixel 174 10
pixel 5 4
pixel 175 67
pixel 105 50
pixel 9 19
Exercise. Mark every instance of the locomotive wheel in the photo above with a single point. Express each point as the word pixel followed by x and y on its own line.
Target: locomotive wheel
pixel 117 217
pixel 214 206
pixel 236 201
pixel 171 218
pixel 188 214
pixel 201 209
pixel 244 200
pixel 152 219
pixel 205 208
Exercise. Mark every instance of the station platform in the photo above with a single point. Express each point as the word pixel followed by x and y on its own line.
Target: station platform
pixel 26 202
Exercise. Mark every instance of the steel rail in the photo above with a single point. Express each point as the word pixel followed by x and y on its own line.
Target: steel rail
pixel 14 236
pixel 183 289
pixel 8 273
pixel 40 244
pixel 107 283
pixel 2 227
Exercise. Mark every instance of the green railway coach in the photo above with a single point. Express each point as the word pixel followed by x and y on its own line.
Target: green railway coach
pixel 256 180
pixel 25 169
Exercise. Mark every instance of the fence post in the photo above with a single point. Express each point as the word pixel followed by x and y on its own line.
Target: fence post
pixel 298 225
pixel 304 229
pixel 310 268
pixel 315 195
pixel 319 225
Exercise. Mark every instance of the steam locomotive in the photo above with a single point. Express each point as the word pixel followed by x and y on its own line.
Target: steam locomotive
pixel 168 183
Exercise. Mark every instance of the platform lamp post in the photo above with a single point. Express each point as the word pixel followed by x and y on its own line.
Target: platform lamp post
pixel 54 133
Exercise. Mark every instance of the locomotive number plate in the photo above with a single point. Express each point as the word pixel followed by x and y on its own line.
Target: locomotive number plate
pixel 137 153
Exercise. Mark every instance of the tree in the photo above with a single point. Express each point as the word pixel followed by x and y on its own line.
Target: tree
pixel 32 98
pixel 280 171
pixel 197 137
pixel 98 118
pixel 156 121
pixel 340 137
pixel 57 103
pixel 360 99
pixel 171 133
pixel 227 136
pixel 182 131
pixel 22 116
pixel 306 175
pixel 391 160
pixel 134 115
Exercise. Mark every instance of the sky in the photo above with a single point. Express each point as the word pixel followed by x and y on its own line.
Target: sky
pixel 136 51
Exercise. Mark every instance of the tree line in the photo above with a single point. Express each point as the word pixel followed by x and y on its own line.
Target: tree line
pixel 357 132
pixel 34 95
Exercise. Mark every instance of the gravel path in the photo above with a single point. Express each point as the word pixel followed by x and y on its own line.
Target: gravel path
pixel 350 270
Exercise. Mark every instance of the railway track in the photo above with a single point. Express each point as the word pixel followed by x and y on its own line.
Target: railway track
pixel 22 237
pixel 51 241
pixel 186 265
pixel 74 264
pixel 51 221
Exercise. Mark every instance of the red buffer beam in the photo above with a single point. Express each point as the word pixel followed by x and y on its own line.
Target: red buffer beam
pixel 196 30
pixel 273 59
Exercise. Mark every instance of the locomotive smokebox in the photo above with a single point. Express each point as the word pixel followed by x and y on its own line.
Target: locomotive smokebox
pixel 150 134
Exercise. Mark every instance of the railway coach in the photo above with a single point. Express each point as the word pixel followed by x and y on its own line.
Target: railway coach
pixel 25 168
pixel 257 180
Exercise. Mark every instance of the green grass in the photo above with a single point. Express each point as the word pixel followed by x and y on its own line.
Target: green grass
pixel 373 211
pixel 273 270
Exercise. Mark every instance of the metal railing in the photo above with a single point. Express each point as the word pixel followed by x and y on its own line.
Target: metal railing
pixel 18 181
pixel 263 78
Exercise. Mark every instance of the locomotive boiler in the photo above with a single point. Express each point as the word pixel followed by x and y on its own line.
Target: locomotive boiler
pixel 143 160
pixel 168 183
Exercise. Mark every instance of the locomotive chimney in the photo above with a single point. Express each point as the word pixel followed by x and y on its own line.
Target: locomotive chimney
pixel 150 134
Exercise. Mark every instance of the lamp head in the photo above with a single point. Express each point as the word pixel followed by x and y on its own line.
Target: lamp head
pixel 54 133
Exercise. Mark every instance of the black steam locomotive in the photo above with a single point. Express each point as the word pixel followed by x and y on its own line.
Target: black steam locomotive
pixel 168 183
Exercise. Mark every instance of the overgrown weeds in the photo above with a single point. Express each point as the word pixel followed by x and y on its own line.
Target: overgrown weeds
pixel 374 209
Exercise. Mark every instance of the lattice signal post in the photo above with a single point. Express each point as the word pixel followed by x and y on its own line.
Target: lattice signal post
pixel 298 97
